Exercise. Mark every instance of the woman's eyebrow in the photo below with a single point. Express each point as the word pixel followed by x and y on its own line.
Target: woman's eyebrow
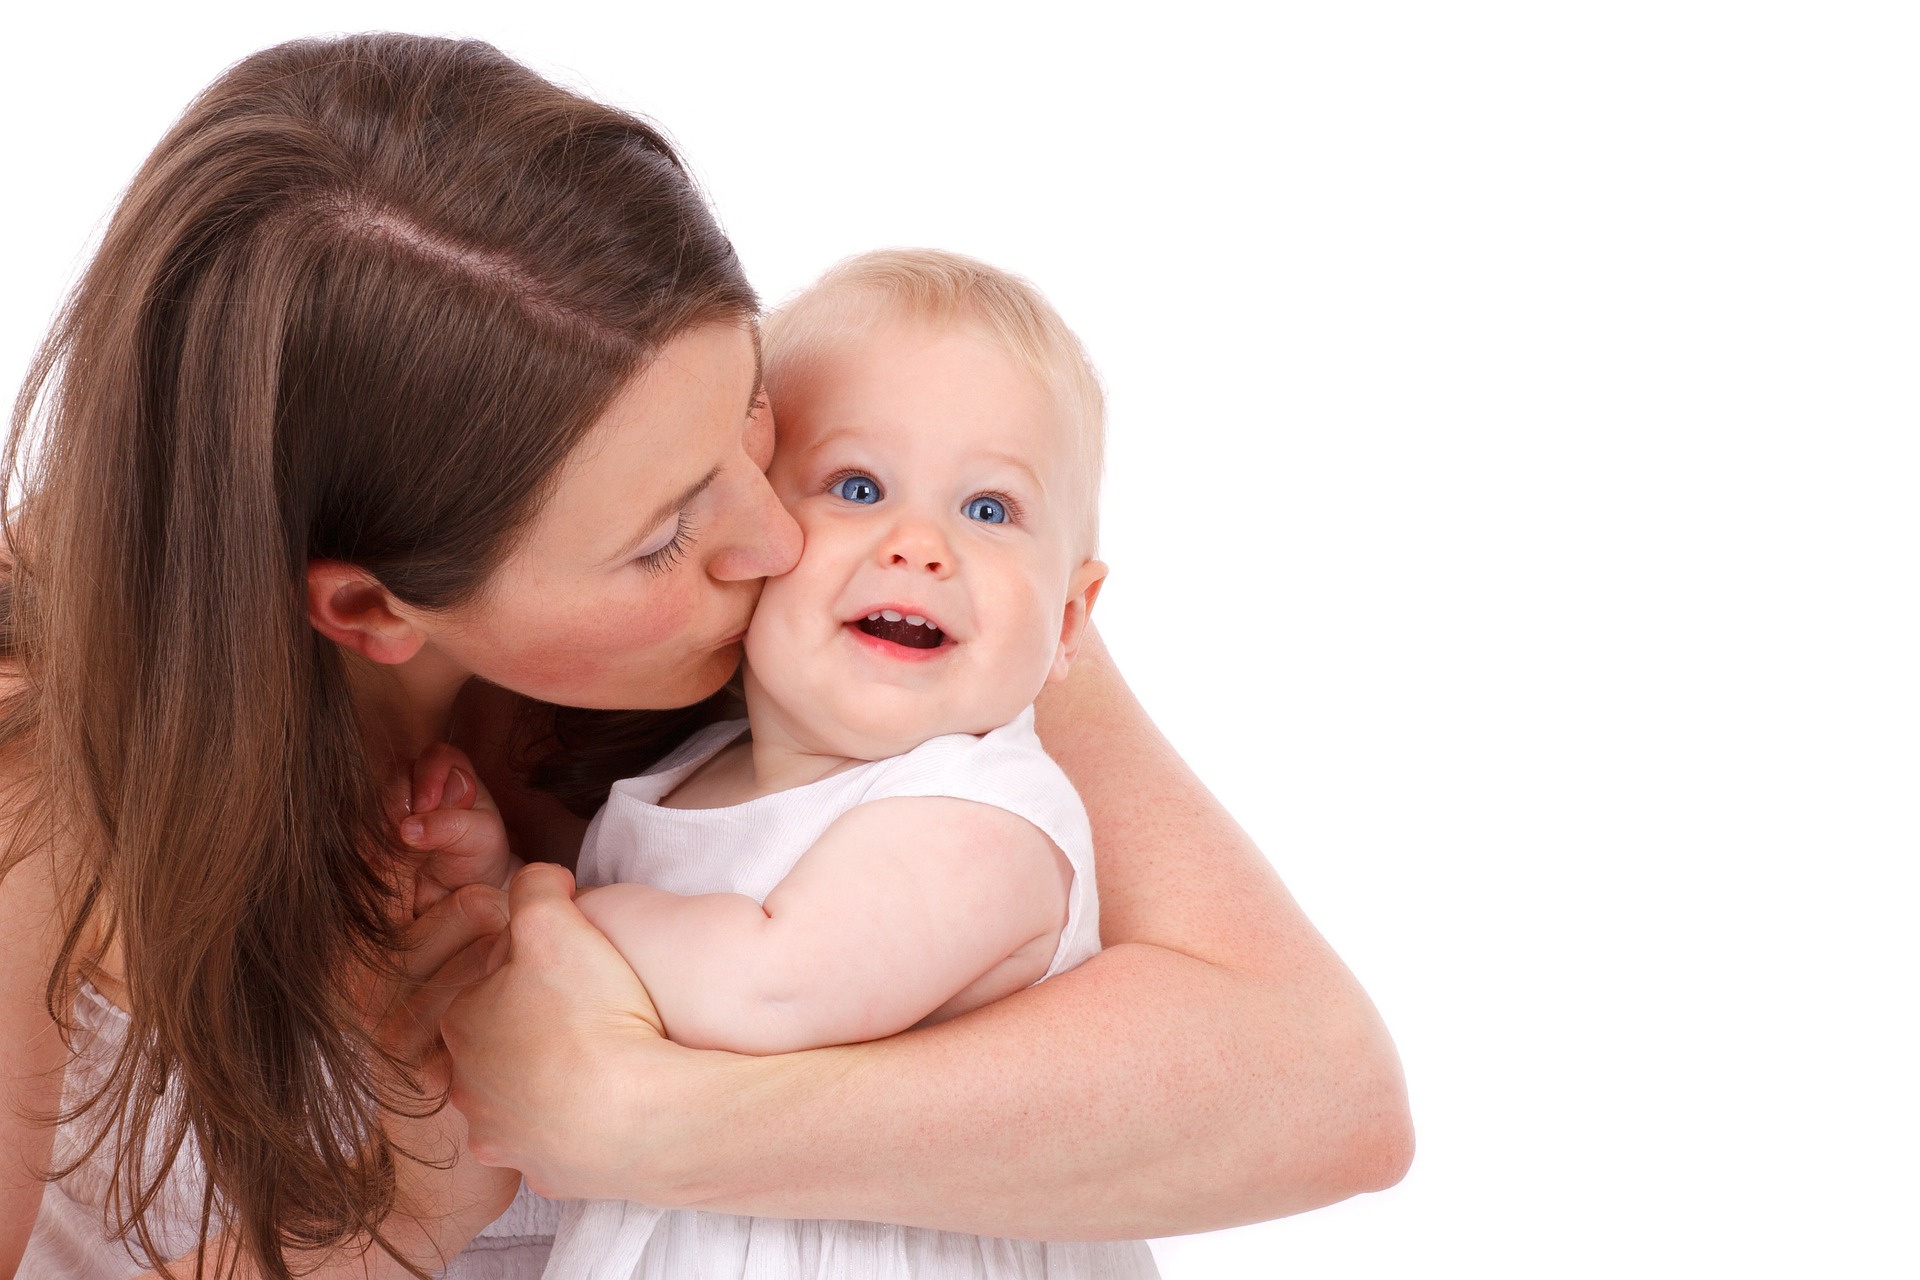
pixel 661 512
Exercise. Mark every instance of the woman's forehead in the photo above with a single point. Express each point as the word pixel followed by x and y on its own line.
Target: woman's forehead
pixel 665 432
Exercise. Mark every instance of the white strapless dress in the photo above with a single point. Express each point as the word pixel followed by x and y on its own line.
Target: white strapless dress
pixel 71 1239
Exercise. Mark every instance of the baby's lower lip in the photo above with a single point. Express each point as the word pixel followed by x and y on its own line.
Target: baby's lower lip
pixel 896 652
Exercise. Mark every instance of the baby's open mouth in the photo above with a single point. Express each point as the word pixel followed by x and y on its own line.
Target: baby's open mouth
pixel 909 629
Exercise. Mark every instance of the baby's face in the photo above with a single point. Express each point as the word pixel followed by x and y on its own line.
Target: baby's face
pixel 933 480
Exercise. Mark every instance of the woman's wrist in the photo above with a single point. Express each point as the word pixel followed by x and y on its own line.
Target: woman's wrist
pixel 675 1125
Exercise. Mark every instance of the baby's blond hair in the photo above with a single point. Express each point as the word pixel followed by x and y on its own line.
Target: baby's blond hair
pixel 947 290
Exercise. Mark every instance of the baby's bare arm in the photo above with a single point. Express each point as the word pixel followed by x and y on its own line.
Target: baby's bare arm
pixel 1215 1065
pixel 901 905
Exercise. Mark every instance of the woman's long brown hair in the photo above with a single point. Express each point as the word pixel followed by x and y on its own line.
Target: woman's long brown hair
pixel 358 305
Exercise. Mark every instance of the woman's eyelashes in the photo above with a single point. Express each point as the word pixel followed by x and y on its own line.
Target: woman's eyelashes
pixel 666 555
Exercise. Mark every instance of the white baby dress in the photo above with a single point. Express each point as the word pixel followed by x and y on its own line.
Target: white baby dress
pixel 748 849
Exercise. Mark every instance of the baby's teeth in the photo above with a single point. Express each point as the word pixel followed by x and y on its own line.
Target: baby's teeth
pixel 915 619
pixel 890 615
pixel 873 617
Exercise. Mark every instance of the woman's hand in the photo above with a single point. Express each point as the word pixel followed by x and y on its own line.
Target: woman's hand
pixel 543 1048
pixel 442 1188
pixel 444 1196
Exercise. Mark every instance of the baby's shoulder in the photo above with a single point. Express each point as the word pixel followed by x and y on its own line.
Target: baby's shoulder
pixel 1007 767
pixel 1012 741
pixel 679 765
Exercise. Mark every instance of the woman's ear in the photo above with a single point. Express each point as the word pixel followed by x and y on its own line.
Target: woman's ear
pixel 1082 589
pixel 348 606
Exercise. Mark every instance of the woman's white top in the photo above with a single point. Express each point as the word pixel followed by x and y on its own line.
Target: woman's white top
pixel 748 849
pixel 71 1237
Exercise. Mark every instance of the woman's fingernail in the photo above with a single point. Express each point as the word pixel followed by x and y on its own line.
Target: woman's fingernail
pixel 412 830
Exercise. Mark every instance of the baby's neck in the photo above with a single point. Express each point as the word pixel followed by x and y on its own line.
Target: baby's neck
pixel 753 767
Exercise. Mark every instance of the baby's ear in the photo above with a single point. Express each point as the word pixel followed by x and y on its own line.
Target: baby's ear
pixel 348 606
pixel 1083 588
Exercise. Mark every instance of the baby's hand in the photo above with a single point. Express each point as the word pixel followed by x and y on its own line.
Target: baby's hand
pixel 455 824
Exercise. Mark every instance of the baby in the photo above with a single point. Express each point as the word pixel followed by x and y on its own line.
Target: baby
pixel 883 842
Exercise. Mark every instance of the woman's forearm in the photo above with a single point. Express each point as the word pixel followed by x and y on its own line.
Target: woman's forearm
pixel 1216 1065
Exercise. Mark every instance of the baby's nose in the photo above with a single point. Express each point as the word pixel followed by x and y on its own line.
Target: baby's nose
pixel 917 544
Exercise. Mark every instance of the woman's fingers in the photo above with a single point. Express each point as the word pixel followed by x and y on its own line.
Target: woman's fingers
pixel 413 1029
pixel 447 950
pixel 541 900
pixel 547 1038
pixel 454 924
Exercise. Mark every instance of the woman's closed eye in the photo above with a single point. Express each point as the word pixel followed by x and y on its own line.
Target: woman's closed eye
pixel 667 549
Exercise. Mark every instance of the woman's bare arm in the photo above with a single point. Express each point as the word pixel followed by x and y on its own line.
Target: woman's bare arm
pixel 32 1054
pixel 1216 1065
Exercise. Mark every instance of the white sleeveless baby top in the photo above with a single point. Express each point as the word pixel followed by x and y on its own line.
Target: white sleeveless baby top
pixel 71 1239
pixel 749 848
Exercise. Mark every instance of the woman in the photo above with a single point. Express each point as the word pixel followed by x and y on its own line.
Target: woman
pixel 399 366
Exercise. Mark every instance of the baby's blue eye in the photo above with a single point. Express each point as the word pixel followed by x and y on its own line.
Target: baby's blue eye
pixel 858 489
pixel 987 510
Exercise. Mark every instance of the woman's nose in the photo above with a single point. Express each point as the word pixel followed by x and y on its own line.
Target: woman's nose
pixel 765 540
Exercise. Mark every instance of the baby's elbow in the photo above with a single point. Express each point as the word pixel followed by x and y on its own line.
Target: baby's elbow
pixel 749 1022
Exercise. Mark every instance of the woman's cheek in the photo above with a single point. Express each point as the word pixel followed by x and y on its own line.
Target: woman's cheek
pixel 610 643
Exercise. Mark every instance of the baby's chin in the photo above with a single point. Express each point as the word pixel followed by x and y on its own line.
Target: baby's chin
pixel 890 722
pixel 874 720
pixel 877 738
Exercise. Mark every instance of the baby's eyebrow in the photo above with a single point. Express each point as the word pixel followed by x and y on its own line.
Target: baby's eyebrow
pixel 832 437
pixel 1018 464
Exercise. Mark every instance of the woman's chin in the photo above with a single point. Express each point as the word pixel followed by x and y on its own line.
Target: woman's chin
pixel 696 681
pixel 701 682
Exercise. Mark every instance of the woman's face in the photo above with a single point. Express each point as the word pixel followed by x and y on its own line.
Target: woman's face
pixel 633 586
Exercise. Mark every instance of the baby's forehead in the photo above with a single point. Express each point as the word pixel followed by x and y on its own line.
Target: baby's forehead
pixel 1061 440
pixel 1021 414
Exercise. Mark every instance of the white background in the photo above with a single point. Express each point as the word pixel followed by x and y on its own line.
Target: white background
pixel 1511 505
